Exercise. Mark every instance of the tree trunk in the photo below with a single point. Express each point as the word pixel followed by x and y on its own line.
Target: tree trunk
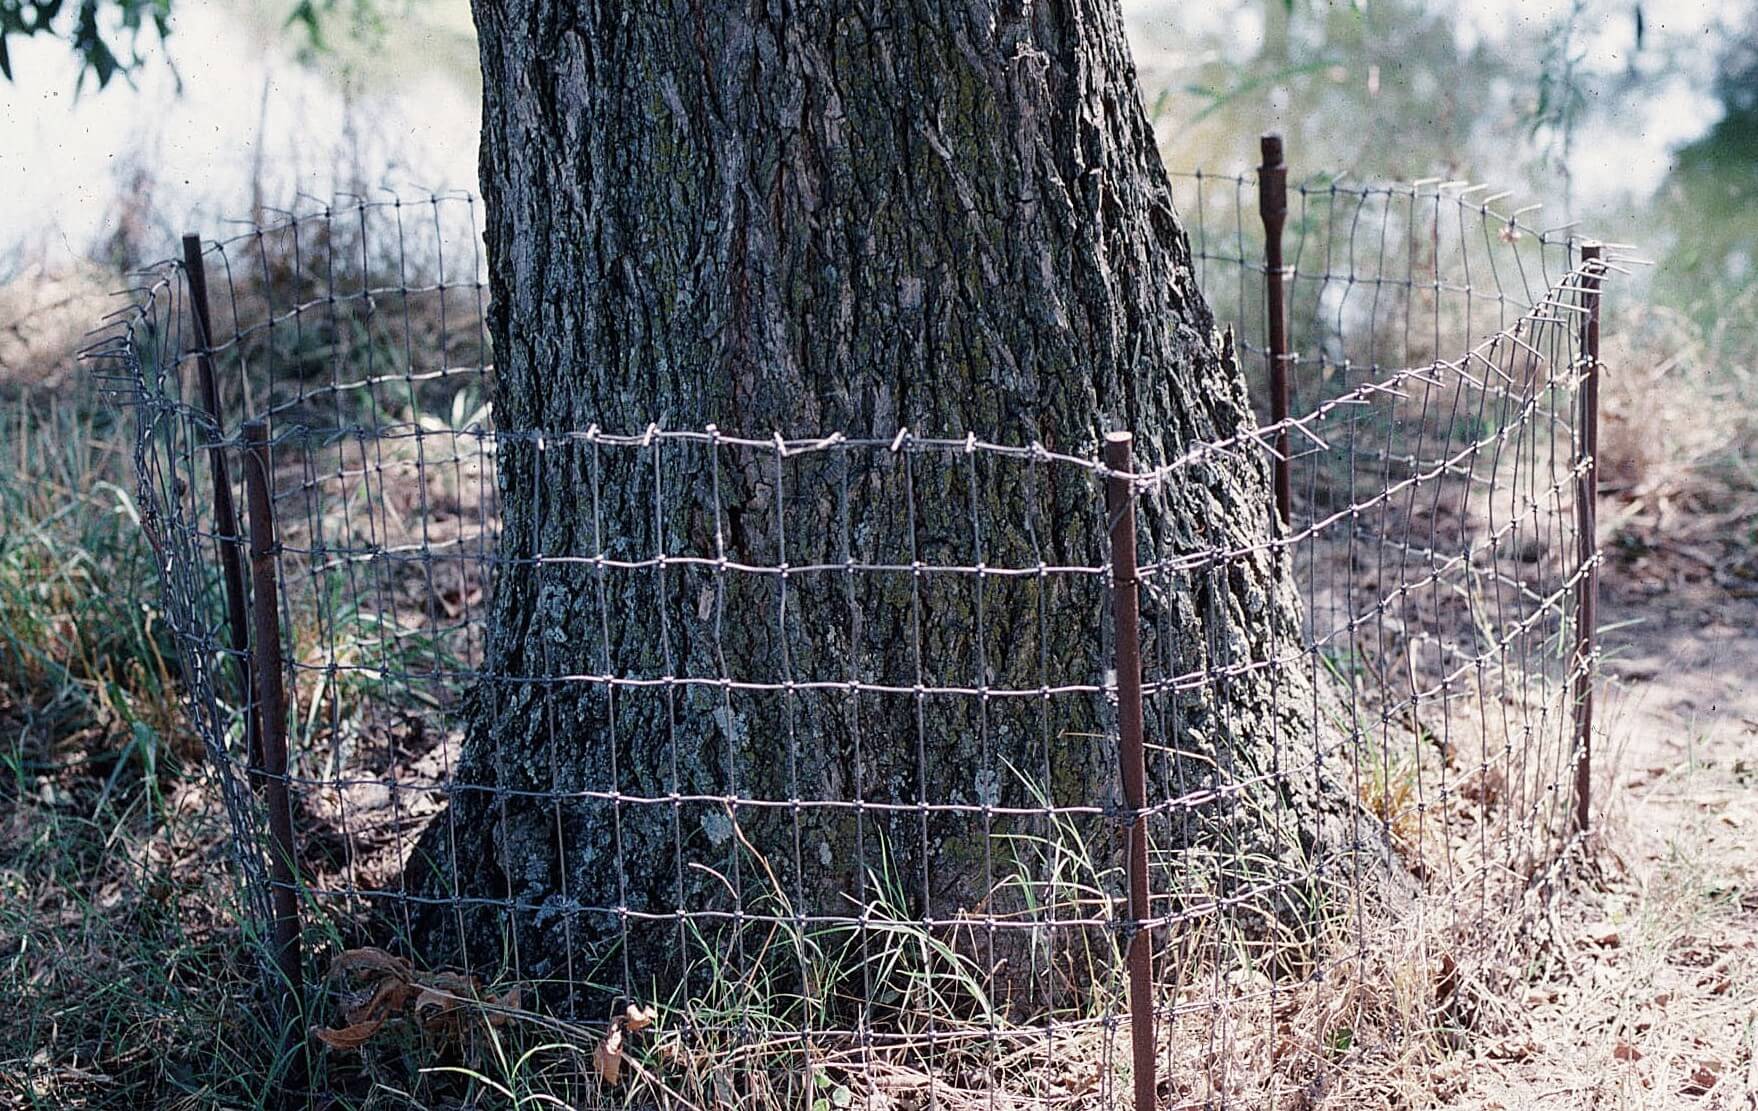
pixel 948 217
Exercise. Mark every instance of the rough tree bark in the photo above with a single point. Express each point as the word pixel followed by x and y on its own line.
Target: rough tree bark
pixel 946 215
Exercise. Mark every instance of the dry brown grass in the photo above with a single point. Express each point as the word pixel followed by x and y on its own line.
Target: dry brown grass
pixel 1680 447
pixel 43 316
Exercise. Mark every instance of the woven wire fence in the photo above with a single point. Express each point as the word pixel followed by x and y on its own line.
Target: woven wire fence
pixel 898 812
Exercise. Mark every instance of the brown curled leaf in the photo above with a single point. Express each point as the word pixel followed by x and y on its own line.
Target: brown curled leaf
pixel 432 1008
pixel 1702 1081
pixel 507 1001
pixel 371 959
pixel 607 1059
pixel 636 1018
pixel 348 1038
pixel 387 999
pixel 442 995
pixel 457 983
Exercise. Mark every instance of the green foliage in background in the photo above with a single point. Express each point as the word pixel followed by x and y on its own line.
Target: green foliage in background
pixel 106 36
pixel 111 37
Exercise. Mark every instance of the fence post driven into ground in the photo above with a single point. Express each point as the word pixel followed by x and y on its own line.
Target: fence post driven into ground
pixel 1272 203
pixel 272 705
pixel 1587 539
pixel 225 513
pixel 1120 513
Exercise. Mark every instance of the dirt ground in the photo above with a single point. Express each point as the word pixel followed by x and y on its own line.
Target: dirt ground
pixel 1650 999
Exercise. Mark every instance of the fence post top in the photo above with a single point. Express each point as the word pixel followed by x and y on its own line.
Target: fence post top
pixel 1119 452
pixel 1272 195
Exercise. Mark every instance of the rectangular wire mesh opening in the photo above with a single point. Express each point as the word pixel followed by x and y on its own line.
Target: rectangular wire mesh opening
pixel 839 796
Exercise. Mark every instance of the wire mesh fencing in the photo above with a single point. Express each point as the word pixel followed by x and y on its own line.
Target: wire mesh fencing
pixel 894 770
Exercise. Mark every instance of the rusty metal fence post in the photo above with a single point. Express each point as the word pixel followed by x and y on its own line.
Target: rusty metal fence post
pixel 225 513
pixel 1272 203
pixel 1586 538
pixel 1139 958
pixel 272 704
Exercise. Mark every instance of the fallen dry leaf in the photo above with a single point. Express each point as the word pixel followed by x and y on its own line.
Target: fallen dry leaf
pixel 1446 980
pixel 1602 935
pixel 441 996
pixel 607 1059
pixel 370 959
pixel 637 1019
pixel 1701 1081
pixel 507 1001
pixel 436 1002
pixel 432 1007
pixel 347 1038
pixel 386 999
pixel 1624 1051
pixel 383 999
pixel 455 601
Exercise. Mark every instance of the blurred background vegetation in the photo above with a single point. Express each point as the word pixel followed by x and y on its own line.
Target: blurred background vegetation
pixel 129 120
